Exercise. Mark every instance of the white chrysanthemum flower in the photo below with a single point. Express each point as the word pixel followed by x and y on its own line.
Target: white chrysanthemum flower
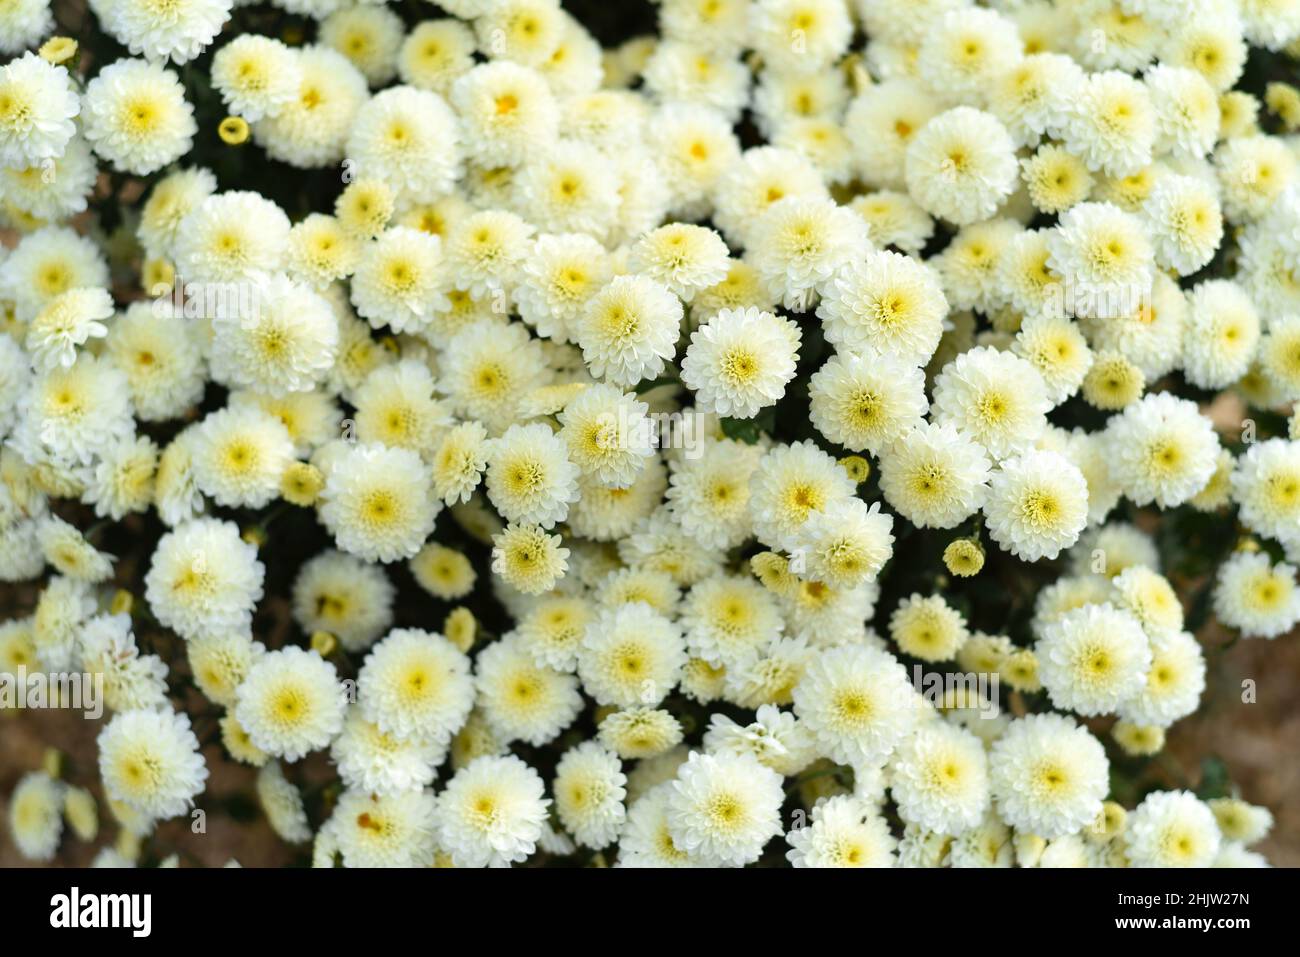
pixel 589 792
pixel 36 815
pixel 939 778
pixel 37 107
pixel 435 54
pixel 1186 109
pixel 371 760
pixel 558 280
pixel 1032 95
pixel 1221 335
pixel 312 129
pixel 709 493
pixel 74 414
pixel 66 322
pixel 740 361
pixel 894 219
pixel 882 122
pixel 123 478
pixel 962 165
pixel 282 802
pixel 506 112
pixel 522 699
pixel 685 258
pixel 995 397
pixel 691 148
pixel 928 628
pixel 843 831
pixel 800 243
pixel 1253 173
pixel 345 596
pixel 529 559
pixel 291 703
pixel 240 454
pixel 1270 23
pixel 822 27
pixel 763 175
pixel 176 31
pixel 393 831
pixel 791 484
pixel 1105 258
pixel 149 760
pixel 965 50
pixel 1150 333
pixel 136 116
pixel 285 342
pixel 1055 347
pixel 67 550
pixel 1279 355
pixel 724 808
pixel 889 302
pixel 1266 485
pixel 607 434
pixel 56 188
pixel 865 400
pixel 492 813
pixel 935 476
pixel 489 367
pixel 1171 829
pixel 257 76
pixel 1048 775
pixel 231 238
pixel 569 188
pixel 459 462
pixel 1175 682
pixel 416 685
pixel 631 655
pixel 408 138
pixel 858 702
pixel 486 251
pixel 399 279
pixel 1185 222
pixel 163 364
pixel 1252 594
pixel 728 619
pixel 369 35
pixel 396 407
pixel 1092 659
pixel 47 262
pixel 61 611
pixel 629 330
pixel 776 738
pixel 847 542
pixel 171 199
pixel 23 24
pixel 1147 594
pixel 378 502
pixel 1037 504
pixel 204 579
pixel 1162 450
pixel 1111 124
pixel 530 479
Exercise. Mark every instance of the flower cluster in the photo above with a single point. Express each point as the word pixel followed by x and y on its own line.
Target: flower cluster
pixel 586 453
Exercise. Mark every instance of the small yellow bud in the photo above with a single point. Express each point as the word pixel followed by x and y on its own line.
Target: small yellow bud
pixel 1113 382
pixel 1247 544
pixel 859 469
pixel 122 603
pixel 233 130
pixel 301 484
pixel 82 813
pixel 255 535
pixel 461 628
pixel 1138 740
pixel 158 277
pixel 128 845
pixel 964 557
pixel 52 762
pixel 1110 822
pixel 323 643
pixel 58 50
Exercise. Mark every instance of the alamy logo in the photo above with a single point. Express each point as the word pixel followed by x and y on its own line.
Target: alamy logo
pixel 80 691
pixel 134 911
